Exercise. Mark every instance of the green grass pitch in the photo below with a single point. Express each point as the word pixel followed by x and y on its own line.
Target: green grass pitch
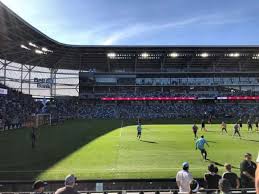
pixel 101 149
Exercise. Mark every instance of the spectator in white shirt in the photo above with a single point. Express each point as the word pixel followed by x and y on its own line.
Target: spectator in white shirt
pixel 257 175
pixel 184 178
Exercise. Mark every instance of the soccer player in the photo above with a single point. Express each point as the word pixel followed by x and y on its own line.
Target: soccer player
pixel 195 129
pixel 236 130
pixel 256 124
pixel 139 129
pixel 203 125
pixel 210 119
pixel 223 127
pixel 33 137
pixel 249 125
pixel 139 121
pixel 200 145
pixel 240 122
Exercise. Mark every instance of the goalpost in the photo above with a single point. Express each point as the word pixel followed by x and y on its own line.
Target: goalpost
pixel 42 119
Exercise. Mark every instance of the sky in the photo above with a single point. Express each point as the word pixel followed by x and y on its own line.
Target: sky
pixel 143 22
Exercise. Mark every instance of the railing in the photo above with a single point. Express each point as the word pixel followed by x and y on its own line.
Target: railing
pixel 151 191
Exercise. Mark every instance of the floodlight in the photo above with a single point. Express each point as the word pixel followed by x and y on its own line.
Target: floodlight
pixel 144 55
pixel 111 55
pixel 25 47
pixel 174 55
pixel 234 54
pixel 204 55
pixel 46 50
pixel 37 51
pixel 33 45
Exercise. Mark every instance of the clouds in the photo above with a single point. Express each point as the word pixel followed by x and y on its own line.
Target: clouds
pixel 139 29
pixel 116 22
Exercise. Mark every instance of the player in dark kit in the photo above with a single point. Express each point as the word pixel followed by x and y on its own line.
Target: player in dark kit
pixel 139 121
pixel 240 122
pixel 223 127
pixel 33 137
pixel 256 124
pixel 210 119
pixel 249 125
pixel 195 129
pixel 139 130
pixel 236 130
pixel 203 125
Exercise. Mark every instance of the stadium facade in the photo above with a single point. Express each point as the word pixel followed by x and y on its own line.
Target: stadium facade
pixel 35 64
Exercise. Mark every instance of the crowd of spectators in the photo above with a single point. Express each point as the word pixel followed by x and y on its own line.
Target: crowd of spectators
pixel 15 108
pixel 166 92
pixel 132 110
pixel 213 181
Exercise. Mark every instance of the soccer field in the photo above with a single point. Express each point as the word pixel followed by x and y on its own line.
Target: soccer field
pixel 102 149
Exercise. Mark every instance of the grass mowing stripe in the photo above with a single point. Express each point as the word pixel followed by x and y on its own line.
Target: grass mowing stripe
pixel 106 149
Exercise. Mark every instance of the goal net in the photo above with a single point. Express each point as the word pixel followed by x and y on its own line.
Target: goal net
pixel 42 119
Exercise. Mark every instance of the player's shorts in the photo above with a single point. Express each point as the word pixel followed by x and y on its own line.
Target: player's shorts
pixel 202 126
pixel 250 126
pixel 203 151
pixel 224 129
pixel 195 131
pixel 256 125
pixel 240 125
pixel 139 132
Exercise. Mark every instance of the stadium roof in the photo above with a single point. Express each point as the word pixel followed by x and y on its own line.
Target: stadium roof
pixel 22 43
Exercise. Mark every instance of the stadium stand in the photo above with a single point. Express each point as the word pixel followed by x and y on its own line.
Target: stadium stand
pixel 16 109
pixel 208 74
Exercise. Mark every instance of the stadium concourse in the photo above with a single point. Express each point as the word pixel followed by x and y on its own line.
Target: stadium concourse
pixel 93 94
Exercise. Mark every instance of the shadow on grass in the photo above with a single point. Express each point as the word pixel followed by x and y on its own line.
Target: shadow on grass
pixel 20 162
pixel 252 140
pixel 148 141
pixel 220 164
pixel 211 141
pixel 216 163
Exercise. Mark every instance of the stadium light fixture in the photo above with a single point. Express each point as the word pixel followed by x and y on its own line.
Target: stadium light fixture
pixel 111 55
pixel 37 51
pixel 174 55
pixel 204 55
pixel 256 56
pixel 33 45
pixel 234 54
pixel 44 49
pixel 25 47
pixel 144 55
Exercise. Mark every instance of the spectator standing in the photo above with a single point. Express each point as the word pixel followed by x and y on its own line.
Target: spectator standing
pixel 39 187
pixel 247 172
pixel 184 178
pixel 70 182
pixel 212 178
pixel 231 176
pixel 257 176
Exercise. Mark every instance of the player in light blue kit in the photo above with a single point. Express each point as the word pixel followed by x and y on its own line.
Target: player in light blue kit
pixel 200 145
pixel 139 129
